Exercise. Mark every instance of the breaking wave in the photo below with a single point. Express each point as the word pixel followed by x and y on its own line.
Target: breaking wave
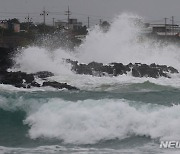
pixel 122 43
pixel 90 121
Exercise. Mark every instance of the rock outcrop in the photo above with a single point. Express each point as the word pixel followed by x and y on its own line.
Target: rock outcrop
pixel 24 80
pixel 115 69
pixel 58 85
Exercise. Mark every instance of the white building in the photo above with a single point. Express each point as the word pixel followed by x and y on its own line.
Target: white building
pixel 72 25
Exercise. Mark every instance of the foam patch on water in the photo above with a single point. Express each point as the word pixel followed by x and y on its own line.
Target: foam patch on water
pixel 88 82
pixel 56 149
pixel 90 121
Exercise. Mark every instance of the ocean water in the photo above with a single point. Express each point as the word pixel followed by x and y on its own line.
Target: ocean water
pixel 123 114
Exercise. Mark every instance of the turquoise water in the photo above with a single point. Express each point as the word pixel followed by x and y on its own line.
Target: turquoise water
pixel 113 121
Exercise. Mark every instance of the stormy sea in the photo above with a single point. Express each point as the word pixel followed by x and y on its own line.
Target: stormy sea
pixel 108 114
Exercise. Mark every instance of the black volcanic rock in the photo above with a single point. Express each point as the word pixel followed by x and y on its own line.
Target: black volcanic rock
pixel 115 69
pixel 172 70
pixel 44 74
pixel 120 69
pixel 148 71
pixel 17 79
pixel 24 80
pixel 58 85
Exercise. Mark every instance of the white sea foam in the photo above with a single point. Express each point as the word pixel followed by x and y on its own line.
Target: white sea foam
pixel 35 59
pixel 89 121
pixel 56 149
pixel 122 43
pixel 88 82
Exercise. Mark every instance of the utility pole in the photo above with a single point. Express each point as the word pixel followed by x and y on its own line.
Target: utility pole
pixel 28 22
pixel 53 22
pixel 172 25
pixel 100 21
pixel 68 13
pixel 44 14
pixel 88 23
pixel 165 19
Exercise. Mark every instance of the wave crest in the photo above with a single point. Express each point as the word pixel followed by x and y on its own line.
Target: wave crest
pixel 90 121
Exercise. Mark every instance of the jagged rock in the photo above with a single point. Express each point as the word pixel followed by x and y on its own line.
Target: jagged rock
pixel 172 70
pixel 43 74
pixel 35 84
pixel 115 69
pixel 58 85
pixel 148 71
pixel 24 80
pixel 18 79
pixel 120 69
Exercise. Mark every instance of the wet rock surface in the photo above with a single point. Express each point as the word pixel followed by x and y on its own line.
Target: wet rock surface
pixel 24 80
pixel 58 85
pixel 115 69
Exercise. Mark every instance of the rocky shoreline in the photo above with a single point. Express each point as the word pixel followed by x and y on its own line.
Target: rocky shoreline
pixel 115 69
pixel 24 80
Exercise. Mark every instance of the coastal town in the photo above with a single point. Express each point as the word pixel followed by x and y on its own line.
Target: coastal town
pixel 70 31
pixel 14 33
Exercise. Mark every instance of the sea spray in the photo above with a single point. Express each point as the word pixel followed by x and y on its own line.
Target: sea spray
pixel 35 59
pixel 122 43
pixel 90 121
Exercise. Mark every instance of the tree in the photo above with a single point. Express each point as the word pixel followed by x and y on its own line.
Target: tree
pixel 15 20
pixel 105 26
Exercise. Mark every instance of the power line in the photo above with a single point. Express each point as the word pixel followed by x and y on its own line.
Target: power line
pixel 91 15
pixel 53 22
pixel 57 13
pixel 88 23
pixel 19 12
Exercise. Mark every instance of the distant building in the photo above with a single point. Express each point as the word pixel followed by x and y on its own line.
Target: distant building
pixel 16 27
pixel 61 24
pixel 4 24
pixel 72 25
pixel 162 29
pixel 10 25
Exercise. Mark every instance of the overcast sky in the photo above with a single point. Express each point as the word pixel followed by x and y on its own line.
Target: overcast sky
pixel 153 10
